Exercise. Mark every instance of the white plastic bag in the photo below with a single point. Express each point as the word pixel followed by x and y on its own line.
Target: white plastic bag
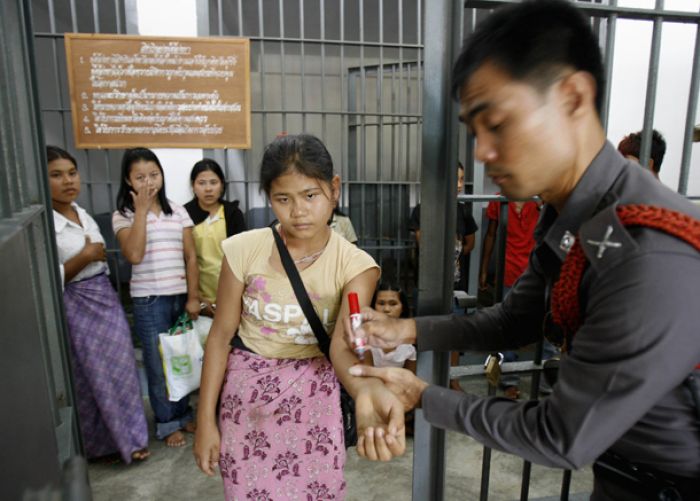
pixel 201 327
pixel 182 361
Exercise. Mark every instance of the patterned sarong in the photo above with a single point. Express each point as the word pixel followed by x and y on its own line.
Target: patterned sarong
pixel 107 389
pixel 281 429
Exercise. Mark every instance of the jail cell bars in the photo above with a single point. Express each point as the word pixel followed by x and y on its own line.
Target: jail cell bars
pixel 348 72
pixel 345 70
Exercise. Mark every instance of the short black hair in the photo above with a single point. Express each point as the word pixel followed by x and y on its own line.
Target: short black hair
pixel 56 153
pixel 632 145
pixel 303 153
pixel 532 41
pixel 207 164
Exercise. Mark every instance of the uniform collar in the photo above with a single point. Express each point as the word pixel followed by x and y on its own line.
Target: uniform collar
pixel 584 201
pixel 60 221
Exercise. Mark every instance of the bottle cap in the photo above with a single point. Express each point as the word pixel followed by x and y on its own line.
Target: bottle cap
pixel 354 302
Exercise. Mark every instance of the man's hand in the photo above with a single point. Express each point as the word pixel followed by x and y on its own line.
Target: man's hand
pixel 402 382
pixel 381 433
pixel 381 330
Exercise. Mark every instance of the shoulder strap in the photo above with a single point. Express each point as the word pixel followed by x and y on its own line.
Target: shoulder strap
pixel 324 341
pixel 565 300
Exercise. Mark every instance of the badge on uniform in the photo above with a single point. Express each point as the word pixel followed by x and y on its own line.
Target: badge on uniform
pixel 567 241
pixel 605 243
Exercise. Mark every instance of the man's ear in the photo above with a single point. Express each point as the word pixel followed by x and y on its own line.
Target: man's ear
pixel 578 92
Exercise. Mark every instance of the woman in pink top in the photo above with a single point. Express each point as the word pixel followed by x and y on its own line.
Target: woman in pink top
pixel 155 236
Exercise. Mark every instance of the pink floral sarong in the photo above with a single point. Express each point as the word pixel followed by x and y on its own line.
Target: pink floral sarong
pixel 281 429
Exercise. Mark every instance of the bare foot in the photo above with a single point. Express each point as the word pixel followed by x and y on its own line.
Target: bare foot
pixel 190 427
pixel 175 439
pixel 140 455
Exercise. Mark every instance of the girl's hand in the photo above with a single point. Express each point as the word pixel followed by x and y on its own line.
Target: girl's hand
pixel 143 200
pixel 206 447
pixel 94 251
pixel 192 308
pixel 381 433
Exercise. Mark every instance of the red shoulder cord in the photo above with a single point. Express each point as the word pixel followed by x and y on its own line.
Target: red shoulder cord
pixel 565 299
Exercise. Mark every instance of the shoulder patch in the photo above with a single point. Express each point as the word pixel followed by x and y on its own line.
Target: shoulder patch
pixel 605 240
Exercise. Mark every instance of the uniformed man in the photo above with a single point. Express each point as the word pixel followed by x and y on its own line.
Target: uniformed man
pixel 529 85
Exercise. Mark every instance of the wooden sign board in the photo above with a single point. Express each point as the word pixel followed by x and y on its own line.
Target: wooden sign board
pixel 159 92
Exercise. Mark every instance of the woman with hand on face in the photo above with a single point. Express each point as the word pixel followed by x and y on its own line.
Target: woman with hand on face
pixel 155 236
pixel 110 408
pixel 215 219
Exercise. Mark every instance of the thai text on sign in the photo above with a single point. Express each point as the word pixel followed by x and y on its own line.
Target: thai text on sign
pixel 159 91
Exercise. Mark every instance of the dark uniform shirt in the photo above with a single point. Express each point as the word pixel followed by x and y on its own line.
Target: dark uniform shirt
pixel 621 386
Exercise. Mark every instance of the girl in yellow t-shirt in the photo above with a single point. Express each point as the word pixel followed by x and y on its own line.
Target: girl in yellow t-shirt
pixel 214 219
pixel 279 432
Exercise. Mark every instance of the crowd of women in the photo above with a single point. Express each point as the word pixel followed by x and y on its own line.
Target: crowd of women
pixel 269 412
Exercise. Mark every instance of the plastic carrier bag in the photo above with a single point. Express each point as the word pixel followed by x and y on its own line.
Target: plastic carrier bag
pixel 201 327
pixel 182 355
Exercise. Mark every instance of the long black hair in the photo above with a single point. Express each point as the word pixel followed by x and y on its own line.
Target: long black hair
pixel 388 286
pixel 124 200
pixel 207 164
pixel 56 153
pixel 303 153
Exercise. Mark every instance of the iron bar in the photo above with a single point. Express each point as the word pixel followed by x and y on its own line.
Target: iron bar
pixel 610 29
pixel 437 227
pixel 301 57
pixel 322 21
pixel 652 79
pixel 601 10
pixel 308 41
pixel 690 117
pixel 486 463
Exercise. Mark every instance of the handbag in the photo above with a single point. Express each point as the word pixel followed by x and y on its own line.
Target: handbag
pixel 181 354
pixel 347 404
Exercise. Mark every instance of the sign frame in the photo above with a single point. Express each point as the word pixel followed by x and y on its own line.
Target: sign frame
pixel 207 142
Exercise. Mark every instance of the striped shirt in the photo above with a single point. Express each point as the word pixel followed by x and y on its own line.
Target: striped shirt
pixel 162 270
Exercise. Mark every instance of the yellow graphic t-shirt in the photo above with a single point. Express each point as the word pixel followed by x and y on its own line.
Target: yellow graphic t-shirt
pixel 272 322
